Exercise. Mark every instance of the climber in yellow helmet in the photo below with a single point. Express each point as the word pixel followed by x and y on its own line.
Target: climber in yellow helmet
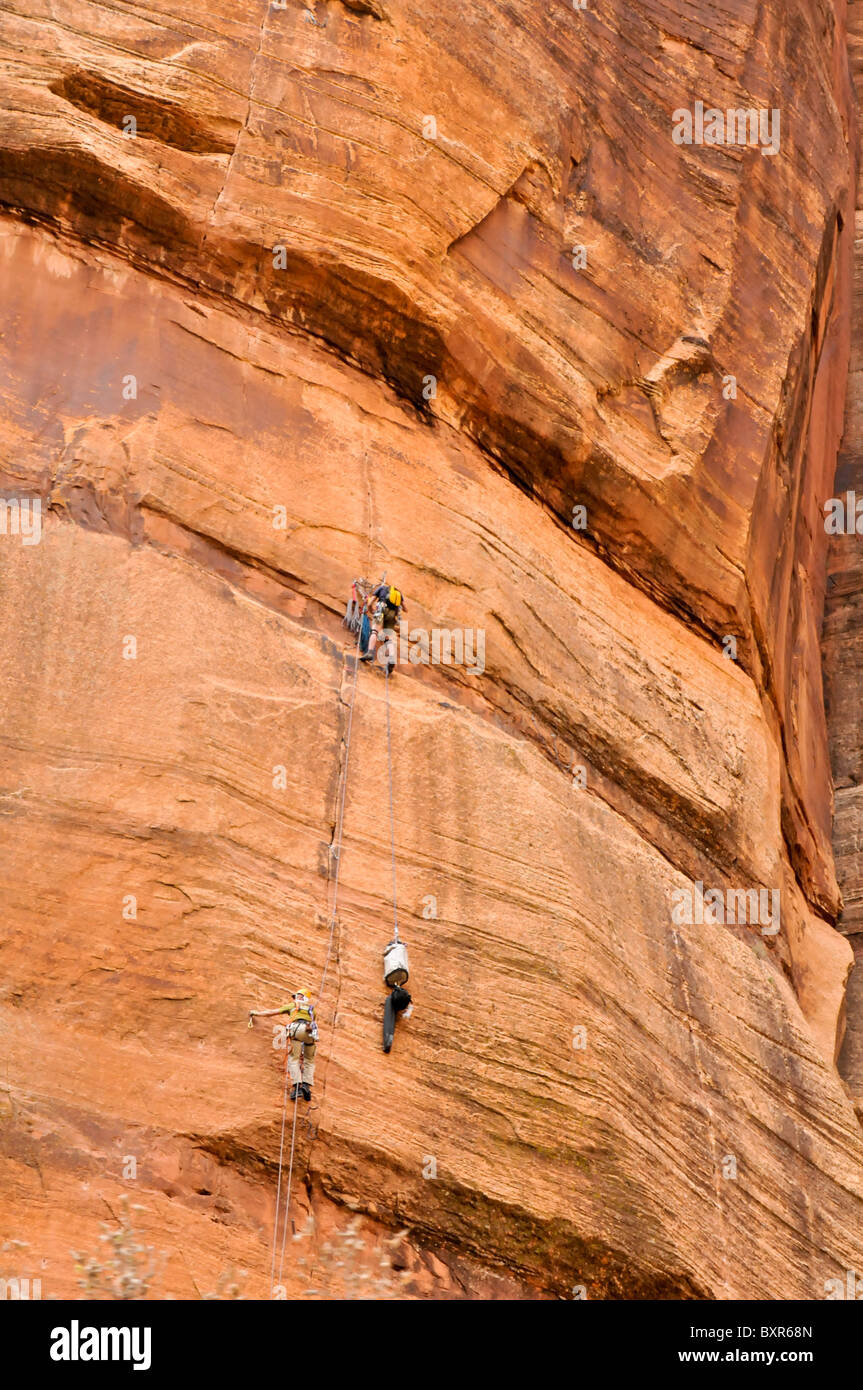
pixel 302 1031
pixel 389 608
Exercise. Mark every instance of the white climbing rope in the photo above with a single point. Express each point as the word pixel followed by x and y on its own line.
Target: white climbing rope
pixel 392 812
pixel 337 854
pixel 279 1183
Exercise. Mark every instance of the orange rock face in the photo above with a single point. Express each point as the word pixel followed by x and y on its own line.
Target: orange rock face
pixel 298 295
pixel 842 646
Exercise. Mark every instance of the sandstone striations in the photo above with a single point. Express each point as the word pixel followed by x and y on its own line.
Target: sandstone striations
pixel 297 294
pixel 842 647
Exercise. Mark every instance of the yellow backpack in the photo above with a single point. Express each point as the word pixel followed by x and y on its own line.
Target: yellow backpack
pixel 395 598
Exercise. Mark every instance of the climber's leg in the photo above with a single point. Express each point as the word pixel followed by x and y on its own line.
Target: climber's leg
pixel 309 1069
pixel 294 1056
pixel 396 1001
pixel 385 653
pixel 389 1023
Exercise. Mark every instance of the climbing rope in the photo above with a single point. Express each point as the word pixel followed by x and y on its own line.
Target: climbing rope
pixel 392 811
pixel 337 854
pixel 338 858
pixel 341 811
pixel 279 1183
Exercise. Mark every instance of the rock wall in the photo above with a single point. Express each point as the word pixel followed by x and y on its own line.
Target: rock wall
pixel 842 647
pixel 324 313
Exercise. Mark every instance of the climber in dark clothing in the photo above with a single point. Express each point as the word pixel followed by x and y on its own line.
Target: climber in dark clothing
pixel 390 606
pixel 395 978
pixel 397 1001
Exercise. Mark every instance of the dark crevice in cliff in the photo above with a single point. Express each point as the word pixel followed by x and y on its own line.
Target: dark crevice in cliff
pixel 338 306
pixel 52 187
pixel 788 469
pixel 156 118
pixel 373 8
pixel 550 1255
pixel 334 307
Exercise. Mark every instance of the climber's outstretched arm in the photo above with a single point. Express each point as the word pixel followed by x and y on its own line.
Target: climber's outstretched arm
pixel 269 1013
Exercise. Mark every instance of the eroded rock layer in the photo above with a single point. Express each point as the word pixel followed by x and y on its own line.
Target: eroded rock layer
pixel 317 312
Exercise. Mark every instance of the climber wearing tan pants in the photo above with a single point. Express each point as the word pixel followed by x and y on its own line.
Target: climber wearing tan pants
pixel 302 1049
pixel 302 1031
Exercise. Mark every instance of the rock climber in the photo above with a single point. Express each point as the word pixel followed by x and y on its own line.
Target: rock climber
pixel 392 604
pixel 397 1001
pixel 396 976
pixel 389 607
pixel 302 1030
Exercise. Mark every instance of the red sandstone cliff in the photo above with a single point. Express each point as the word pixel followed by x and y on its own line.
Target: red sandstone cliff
pixel 324 314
